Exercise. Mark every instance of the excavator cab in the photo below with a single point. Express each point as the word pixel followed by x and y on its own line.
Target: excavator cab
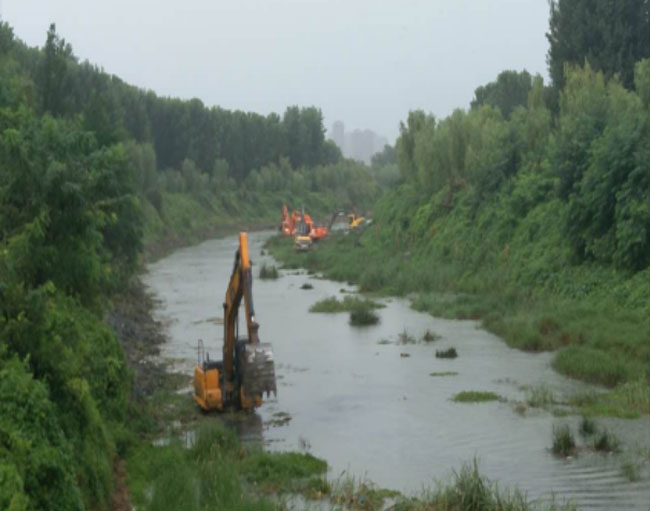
pixel 247 371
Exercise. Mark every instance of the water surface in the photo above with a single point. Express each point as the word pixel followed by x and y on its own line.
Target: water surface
pixel 373 412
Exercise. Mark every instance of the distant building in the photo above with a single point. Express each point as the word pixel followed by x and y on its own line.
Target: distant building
pixel 359 145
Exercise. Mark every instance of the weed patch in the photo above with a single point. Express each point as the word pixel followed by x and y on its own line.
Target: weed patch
pixel 448 353
pixel 606 441
pixel 276 471
pixel 363 316
pixel 475 396
pixel 268 272
pixel 348 304
pixel 564 443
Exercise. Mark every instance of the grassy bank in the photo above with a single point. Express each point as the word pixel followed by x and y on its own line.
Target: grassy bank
pixel 595 319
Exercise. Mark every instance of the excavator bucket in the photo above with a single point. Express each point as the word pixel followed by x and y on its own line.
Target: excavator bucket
pixel 259 372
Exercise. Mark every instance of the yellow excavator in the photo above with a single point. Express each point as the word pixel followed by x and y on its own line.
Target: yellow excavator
pixel 247 372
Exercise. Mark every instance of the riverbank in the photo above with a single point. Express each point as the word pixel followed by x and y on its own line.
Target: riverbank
pixel 179 456
pixel 595 342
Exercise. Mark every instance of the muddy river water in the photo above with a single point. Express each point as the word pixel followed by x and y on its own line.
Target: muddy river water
pixel 375 413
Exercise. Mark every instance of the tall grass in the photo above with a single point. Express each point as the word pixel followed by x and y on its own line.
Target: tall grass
pixel 594 316
pixel 209 475
pixel 268 272
pixel 564 443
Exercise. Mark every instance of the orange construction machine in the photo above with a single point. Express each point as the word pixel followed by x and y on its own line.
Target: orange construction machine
pixel 247 372
pixel 301 221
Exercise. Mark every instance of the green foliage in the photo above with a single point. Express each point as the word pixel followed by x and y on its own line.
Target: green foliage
pixel 36 470
pixel 268 272
pixel 506 93
pixel 606 441
pixel 363 315
pixel 277 469
pixel 587 426
pixel 348 304
pixel 448 353
pixel 612 36
pixel 476 396
pixel 563 441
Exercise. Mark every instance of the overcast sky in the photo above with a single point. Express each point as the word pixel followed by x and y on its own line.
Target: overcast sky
pixel 365 62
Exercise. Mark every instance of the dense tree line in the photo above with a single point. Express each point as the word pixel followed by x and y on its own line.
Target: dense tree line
pixel 593 157
pixel 81 155
pixel 612 36
pixel 177 129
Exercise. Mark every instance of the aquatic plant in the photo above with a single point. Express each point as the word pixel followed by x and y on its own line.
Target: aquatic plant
pixel 606 441
pixel 631 470
pixel 476 396
pixel 307 285
pixel 448 353
pixel 348 304
pixel 444 373
pixel 268 272
pixel 539 397
pixel 404 337
pixel 275 471
pixel 588 426
pixel 564 443
pixel 430 336
pixel 363 316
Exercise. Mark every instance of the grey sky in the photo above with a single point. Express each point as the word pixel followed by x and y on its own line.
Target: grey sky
pixel 365 62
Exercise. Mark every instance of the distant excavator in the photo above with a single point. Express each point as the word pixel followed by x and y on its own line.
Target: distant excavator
pixel 300 225
pixel 247 372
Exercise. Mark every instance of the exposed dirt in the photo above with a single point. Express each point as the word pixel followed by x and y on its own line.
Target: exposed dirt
pixel 121 500
pixel 140 336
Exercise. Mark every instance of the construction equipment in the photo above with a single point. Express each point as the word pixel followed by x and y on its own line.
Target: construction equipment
pixel 247 372
pixel 297 219
pixel 342 222
pixel 302 228
pixel 287 226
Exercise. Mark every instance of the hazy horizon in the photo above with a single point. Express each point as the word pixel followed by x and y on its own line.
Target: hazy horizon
pixel 363 63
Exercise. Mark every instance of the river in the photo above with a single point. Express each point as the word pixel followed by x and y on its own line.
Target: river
pixel 375 413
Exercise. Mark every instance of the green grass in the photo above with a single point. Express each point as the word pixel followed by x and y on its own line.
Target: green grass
pixel 588 426
pixel 606 441
pixel 564 443
pixel 539 397
pixel 268 272
pixel 429 336
pixel 468 490
pixel 631 470
pixel 207 475
pixel 476 396
pixel 278 471
pixel 348 304
pixel 363 316
pixel 594 317
pixel 448 353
